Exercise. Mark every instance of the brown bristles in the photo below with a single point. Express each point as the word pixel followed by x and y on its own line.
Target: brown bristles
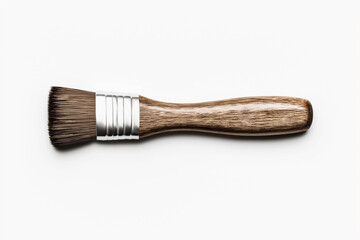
pixel 72 117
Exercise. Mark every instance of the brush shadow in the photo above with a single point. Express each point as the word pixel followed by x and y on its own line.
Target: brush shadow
pixel 224 137
pixel 189 134
pixel 71 147
pixel 205 135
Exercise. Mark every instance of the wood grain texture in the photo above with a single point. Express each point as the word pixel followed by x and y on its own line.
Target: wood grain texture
pixel 249 116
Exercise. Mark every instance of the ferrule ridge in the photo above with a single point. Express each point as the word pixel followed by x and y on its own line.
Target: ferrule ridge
pixel 117 116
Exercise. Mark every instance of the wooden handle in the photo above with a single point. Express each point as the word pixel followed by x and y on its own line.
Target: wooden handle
pixel 250 116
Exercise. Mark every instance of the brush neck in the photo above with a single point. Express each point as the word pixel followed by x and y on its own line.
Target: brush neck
pixel 117 116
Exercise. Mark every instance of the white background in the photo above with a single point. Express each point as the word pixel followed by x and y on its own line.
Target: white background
pixel 186 186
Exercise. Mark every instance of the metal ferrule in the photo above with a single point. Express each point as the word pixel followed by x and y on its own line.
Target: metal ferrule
pixel 117 116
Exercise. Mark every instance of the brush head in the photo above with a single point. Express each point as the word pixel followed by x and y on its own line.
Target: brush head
pixel 72 116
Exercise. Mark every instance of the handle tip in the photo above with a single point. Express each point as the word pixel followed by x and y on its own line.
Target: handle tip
pixel 309 114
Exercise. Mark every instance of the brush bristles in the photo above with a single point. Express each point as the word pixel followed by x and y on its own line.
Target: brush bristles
pixel 72 118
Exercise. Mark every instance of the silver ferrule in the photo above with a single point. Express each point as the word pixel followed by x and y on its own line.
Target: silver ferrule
pixel 117 116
